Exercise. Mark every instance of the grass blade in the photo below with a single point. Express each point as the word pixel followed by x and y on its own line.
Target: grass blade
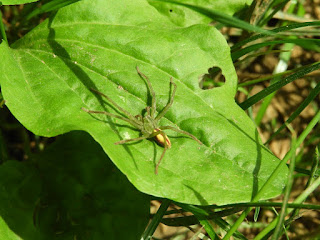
pixel 156 220
pixel 312 95
pixel 222 18
pixel 262 94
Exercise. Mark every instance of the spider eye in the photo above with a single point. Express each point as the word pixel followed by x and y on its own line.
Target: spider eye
pixel 160 139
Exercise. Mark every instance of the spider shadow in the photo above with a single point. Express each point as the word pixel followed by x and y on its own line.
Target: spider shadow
pixel 114 127
pixel 134 142
pixel 105 106
pixel 63 55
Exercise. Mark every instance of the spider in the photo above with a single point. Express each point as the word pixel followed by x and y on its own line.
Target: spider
pixel 148 124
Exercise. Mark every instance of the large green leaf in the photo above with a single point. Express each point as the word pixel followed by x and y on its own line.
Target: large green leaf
pixel 71 192
pixel 97 44
pixel 6 233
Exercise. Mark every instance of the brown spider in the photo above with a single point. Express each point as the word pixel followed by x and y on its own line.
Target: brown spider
pixel 148 124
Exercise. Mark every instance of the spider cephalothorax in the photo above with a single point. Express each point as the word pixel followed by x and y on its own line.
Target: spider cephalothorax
pixel 148 124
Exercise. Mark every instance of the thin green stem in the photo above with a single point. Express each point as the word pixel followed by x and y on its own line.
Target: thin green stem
pixel 2 28
pixel 269 204
pixel 235 226
pixel 274 87
pixel 312 95
pixel 312 174
pixel 314 168
pixel 156 220
pixel 283 211
pixel 202 216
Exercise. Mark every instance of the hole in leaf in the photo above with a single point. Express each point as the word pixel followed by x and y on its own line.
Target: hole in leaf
pixel 213 79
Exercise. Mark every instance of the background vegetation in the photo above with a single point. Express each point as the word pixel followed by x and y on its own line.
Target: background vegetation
pixel 58 182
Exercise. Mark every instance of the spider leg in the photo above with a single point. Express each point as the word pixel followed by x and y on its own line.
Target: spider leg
pixel 148 110
pixel 139 138
pixel 135 124
pixel 166 146
pixel 153 95
pixel 129 115
pixel 164 150
pixel 166 108
pixel 130 140
pixel 181 131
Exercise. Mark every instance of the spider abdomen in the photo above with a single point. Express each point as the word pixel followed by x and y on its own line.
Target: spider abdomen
pixel 161 139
